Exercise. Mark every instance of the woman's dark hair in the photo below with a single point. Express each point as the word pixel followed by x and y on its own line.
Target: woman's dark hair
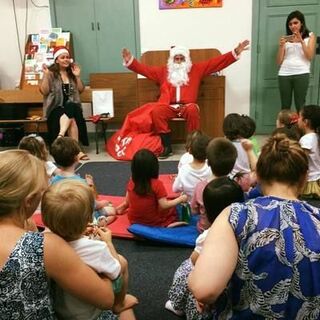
pixel 282 160
pixel 55 69
pixel 300 16
pixel 232 126
pixel 220 193
pixel 144 167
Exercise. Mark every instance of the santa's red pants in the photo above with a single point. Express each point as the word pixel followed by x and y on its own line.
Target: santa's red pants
pixel 162 113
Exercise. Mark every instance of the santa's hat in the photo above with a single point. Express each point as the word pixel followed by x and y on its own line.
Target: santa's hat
pixel 60 50
pixel 176 50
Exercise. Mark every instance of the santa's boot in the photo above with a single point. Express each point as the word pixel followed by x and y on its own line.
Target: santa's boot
pixel 166 142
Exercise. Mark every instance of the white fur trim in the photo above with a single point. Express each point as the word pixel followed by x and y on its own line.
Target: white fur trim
pixel 179 50
pixel 59 52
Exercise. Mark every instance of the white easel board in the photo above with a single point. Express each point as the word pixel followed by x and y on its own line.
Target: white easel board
pixel 102 102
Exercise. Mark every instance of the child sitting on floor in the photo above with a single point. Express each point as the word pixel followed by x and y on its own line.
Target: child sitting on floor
pixel 37 147
pixel 65 152
pixel 287 123
pixel 146 197
pixel 309 123
pixel 218 194
pixel 245 166
pixel 187 157
pixel 66 210
pixel 198 170
pixel 222 155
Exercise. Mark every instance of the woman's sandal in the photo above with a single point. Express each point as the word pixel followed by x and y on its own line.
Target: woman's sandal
pixel 60 136
pixel 83 156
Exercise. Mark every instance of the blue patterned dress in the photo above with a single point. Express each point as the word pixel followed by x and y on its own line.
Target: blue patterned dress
pixel 278 271
pixel 24 286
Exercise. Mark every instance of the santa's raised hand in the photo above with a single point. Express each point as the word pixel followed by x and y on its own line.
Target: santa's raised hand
pixel 126 55
pixel 76 70
pixel 244 45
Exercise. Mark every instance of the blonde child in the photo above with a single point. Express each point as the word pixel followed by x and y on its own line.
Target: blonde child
pixel 309 123
pixel 66 210
pixel 198 170
pixel 146 197
pixel 65 152
pixel 37 147
pixel 217 195
pixel 30 259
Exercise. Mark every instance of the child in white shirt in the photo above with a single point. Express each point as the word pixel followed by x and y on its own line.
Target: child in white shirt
pixel 198 170
pixel 66 210
pixel 309 122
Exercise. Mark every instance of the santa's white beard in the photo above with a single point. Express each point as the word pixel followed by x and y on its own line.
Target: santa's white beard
pixel 178 73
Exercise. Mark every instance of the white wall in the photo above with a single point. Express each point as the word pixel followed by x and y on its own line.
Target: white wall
pixel 38 18
pixel 220 28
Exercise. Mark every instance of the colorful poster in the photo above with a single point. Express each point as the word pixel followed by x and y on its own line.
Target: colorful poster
pixel 184 4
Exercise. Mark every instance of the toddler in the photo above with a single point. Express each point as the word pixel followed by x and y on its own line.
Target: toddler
pixel 146 197
pixel 309 123
pixel 66 210
pixel 244 168
pixel 37 147
pixel 198 170
pixel 222 155
pixel 218 194
pixel 187 157
pixel 65 152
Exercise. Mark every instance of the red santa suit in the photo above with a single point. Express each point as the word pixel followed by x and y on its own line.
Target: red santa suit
pixel 143 125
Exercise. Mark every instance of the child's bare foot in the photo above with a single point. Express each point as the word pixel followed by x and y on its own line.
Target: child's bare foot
pixel 128 302
pixel 104 221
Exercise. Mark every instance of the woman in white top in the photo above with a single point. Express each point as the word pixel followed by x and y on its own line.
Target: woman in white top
pixel 296 50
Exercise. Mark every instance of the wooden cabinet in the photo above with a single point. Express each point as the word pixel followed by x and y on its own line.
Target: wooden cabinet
pixel 100 30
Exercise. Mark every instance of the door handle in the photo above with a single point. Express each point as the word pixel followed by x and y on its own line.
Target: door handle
pixel 98 25
pixel 92 26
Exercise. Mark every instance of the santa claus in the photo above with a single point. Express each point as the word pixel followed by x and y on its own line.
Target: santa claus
pixel 147 126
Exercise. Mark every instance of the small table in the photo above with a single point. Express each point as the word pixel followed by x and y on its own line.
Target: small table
pixel 103 121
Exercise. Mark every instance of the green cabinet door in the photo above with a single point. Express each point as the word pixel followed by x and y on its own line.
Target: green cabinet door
pixel 100 29
pixel 269 17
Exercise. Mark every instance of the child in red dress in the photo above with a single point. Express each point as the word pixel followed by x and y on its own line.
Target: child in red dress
pixel 146 198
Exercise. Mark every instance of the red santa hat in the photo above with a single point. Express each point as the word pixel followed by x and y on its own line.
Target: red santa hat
pixel 176 50
pixel 60 50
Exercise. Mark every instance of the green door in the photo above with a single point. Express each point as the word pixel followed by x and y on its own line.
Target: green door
pixel 269 17
pixel 100 29
pixel 78 17
pixel 116 30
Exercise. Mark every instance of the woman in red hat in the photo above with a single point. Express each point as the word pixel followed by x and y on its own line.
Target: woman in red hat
pixel 61 87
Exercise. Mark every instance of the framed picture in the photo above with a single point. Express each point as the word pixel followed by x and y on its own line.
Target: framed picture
pixel 185 4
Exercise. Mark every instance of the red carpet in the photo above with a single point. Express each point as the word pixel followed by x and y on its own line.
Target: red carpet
pixel 120 225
